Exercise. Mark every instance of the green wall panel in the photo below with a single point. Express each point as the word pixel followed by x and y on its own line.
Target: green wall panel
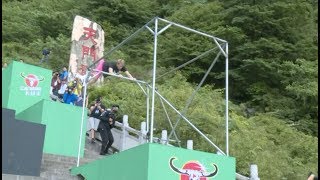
pixel 127 165
pixel 24 85
pixel 33 113
pixel 63 123
pixel 151 162
pixel 25 88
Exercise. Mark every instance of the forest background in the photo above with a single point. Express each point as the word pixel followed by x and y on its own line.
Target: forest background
pixel 273 77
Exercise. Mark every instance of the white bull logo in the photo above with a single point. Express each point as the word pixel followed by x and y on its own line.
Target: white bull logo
pixel 31 80
pixel 193 174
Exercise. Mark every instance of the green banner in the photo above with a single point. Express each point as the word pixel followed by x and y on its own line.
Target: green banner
pixel 176 163
pixel 158 162
pixel 24 85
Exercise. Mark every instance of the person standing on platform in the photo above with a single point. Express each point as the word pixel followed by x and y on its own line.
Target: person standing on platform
pixel 107 122
pixel 94 113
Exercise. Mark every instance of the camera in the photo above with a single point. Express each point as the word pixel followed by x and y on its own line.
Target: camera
pixel 69 90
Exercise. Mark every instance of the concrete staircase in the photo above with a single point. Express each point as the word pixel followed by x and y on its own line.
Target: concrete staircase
pixel 56 167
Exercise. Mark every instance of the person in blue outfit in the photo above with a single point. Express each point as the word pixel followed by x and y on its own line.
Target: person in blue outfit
pixel 69 97
pixel 63 75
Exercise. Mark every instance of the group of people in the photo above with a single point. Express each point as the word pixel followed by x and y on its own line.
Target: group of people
pixel 69 92
pixel 101 119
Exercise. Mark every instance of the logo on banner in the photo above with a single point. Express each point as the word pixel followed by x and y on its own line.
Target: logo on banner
pixel 193 170
pixel 32 82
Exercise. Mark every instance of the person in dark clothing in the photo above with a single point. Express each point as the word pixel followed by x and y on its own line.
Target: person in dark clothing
pixel 107 122
pixel 55 83
pixel 114 109
pixel 112 67
pixel 45 53
pixel 116 68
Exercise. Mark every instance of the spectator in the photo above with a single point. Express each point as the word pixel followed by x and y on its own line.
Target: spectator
pixel 77 85
pixel 111 67
pixel 55 83
pixel 94 113
pixel 64 75
pixel 69 97
pixel 55 86
pixel 4 65
pixel 62 90
pixel 80 101
pixel 45 53
pixel 107 122
pixel 81 75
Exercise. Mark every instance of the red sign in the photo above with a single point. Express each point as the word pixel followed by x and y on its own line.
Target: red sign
pixel 193 170
pixel 32 82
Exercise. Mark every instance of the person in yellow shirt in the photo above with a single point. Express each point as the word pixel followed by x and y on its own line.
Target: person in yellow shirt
pixel 77 85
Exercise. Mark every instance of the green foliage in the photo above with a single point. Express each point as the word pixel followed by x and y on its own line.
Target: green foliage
pixel 273 151
pixel 123 11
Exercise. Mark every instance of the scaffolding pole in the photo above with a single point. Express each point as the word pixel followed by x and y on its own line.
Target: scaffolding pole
pixel 194 92
pixel 82 117
pixel 154 76
pixel 227 101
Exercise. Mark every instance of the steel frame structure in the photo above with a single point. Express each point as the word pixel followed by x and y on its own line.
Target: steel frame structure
pixel 221 44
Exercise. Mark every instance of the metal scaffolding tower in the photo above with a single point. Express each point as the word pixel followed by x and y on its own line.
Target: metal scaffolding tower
pixel 220 45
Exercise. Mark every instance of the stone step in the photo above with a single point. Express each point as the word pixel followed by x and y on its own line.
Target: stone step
pixel 59 176
pixel 92 150
pixel 17 177
pixel 58 167
pixel 44 176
